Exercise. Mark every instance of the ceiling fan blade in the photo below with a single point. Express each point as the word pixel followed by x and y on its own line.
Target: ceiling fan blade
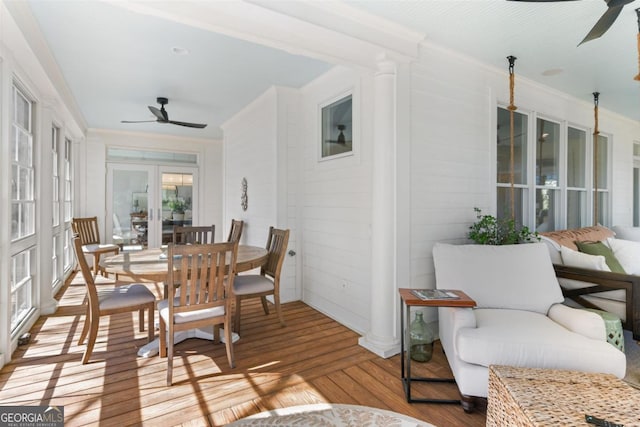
pixel 189 125
pixel 138 121
pixel 162 116
pixel 541 1
pixel 604 23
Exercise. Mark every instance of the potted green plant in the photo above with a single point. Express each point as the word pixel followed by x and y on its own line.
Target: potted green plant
pixel 177 207
pixel 489 230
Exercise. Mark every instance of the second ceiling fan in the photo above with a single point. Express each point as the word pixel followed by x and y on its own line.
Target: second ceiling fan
pixel 163 117
pixel 614 7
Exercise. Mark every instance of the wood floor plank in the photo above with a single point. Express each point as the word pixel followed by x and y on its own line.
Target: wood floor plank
pixel 312 360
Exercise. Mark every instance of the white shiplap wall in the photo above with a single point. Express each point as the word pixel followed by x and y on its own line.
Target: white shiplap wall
pixel 257 146
pixel 336 204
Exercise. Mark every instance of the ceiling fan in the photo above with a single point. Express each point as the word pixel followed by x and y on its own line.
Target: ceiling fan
pixel 163 116
pixel 614 7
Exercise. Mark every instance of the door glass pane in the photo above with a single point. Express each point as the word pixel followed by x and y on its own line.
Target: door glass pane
pixel 177 202
pixel 576 158
pixel 519 147
pixel 129 207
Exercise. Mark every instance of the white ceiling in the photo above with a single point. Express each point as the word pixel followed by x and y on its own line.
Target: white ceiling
pixel 116 61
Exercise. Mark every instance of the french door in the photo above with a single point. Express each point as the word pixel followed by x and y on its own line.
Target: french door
pixel 145 201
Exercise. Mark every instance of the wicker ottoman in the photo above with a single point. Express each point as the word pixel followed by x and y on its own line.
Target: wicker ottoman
pixel 550 397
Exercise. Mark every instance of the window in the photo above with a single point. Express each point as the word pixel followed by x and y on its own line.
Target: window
pixel 547 174
pixel 602 211
pixel 520 149
pixel 22 169
pixel 555 183
pixel 56 257
pixel 576 178
pixel 55 176
pixel 68 204
pixel 23 207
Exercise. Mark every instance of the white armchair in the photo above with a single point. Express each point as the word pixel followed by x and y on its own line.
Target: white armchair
pixel 519 319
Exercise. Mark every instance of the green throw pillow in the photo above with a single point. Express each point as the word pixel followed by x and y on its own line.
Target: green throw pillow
pixel 599 248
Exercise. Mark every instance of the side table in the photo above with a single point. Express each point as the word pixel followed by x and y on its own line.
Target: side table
pixel 408 300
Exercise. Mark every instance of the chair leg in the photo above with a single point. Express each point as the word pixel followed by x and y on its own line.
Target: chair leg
pixel 170 359
pixel 229 343
pixel 237 315
pixel 141 319
pixel 93 334
pixel 85 327
pixel 276 299
pixel 265 305
pixel 96 264
pixel 163 338
pixel 150 328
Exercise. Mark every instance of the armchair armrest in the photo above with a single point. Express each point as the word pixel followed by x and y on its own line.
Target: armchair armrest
pixel 583 322
pixel 450 320
pixel 605 281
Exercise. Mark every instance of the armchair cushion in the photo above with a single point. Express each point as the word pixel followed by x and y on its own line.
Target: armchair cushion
pixel 583 322
pixel 534 340
pixel 521 279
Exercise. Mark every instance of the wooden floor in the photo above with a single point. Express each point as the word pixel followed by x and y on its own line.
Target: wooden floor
pixel 313 360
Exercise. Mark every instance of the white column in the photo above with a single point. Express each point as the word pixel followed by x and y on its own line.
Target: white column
pixel 381 338
pixel 48 304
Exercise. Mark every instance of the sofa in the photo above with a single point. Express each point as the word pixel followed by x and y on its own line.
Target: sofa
pixel 519 320
pixel 588 281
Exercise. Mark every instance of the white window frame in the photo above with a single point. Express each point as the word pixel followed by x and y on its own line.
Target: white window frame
pixel 27 244
pixel 531 187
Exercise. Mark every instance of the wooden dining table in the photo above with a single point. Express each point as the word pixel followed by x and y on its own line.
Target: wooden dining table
pixel 152 265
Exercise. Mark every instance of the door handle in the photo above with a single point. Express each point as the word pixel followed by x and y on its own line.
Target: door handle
pixel 150 214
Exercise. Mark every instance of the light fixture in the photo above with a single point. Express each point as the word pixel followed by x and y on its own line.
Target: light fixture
pixel 176 50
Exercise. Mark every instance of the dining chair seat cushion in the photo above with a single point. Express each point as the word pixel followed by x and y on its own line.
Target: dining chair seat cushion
pixel 187 316
pixel 94 247
pixel 251 284
pixel 124 296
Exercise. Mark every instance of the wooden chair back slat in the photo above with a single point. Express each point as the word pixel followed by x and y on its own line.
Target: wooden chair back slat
pixel 87 229
pixel 193 234
pixel 277 247
pixel 236 230
pixel 205 269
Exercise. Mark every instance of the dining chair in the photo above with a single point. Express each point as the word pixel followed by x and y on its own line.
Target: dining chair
pixel 236 230
pixel 268 281
pixel 87 229
pixel 183 234
pixel 208 272
pixel 119 299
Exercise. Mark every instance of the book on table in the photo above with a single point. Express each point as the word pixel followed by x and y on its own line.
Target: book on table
pixel 429 294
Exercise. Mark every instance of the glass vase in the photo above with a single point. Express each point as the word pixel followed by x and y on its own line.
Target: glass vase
pixel 420 340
